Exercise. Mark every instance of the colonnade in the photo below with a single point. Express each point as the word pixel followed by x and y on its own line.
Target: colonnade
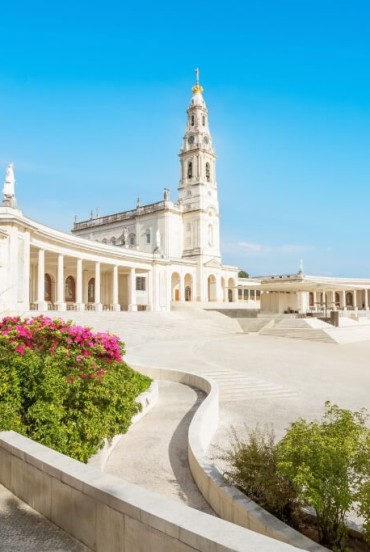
pixel 345 299
pixel 63 282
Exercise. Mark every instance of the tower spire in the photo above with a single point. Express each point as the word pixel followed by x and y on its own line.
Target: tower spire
pixel 197 88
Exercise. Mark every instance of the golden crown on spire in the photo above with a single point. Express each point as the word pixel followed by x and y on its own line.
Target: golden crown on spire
pixel 197 88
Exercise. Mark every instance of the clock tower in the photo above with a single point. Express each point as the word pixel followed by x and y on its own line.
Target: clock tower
pixel 198 188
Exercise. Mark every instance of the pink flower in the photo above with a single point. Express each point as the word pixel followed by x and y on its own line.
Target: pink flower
pixel 20 349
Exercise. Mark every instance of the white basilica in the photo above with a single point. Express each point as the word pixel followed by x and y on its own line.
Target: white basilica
pixel 144 259
pixel 151 257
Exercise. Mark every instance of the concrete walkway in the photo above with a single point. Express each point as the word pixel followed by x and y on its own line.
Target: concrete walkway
pixel 153 453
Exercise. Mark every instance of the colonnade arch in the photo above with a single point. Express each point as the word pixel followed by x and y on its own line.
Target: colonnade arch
pixel 188 283
pixel 231 290
pixel 212 287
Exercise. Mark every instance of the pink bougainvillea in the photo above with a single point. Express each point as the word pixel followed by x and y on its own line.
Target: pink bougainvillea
pixel 87 351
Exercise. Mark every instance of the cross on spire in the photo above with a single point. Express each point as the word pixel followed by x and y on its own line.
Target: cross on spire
pixel 197 88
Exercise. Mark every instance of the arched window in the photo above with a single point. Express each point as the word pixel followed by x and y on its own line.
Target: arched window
pixel 47 293
pixel 104 240
pixel 113 240
pixel 192 120
pixel 190 169
pixel 91 291
pixel 311 299
pixel 204 120
pixel 208 172
pixel 70 289
pixel 337 299
pixel 349 299
pixel 132 239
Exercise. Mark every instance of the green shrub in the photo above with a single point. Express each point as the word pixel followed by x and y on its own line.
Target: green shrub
pixel 329 463
pixel 253 469
pixel 65 386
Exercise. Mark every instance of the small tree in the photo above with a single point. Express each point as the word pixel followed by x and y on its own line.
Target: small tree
pixel 243 274
pixel 328 462
pixel 252 468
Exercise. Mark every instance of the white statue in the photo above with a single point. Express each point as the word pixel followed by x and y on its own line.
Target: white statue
pixel 125 235
pixel 8 189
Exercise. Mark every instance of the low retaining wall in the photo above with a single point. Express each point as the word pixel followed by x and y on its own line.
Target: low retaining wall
pixel 227 501
pixel 108 514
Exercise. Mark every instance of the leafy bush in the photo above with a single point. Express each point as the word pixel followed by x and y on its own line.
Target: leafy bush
pixel 329 464
pixel 65 386
pixel 253 469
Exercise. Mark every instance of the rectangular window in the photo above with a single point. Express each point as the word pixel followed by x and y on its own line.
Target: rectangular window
pixel 140 283
pixel 240 294
pixel 251 294
pixel 147 235
pixel 258 294
pixel 245 295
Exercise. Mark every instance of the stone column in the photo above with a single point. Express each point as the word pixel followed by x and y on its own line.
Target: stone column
pixel 343 294
pixel 366 300
pixel 132 306
pixel 98 305
pixel 355 300
pixel 41 303
pixel 80 305
pixel 60 284
pixel 115 303
pixel 333 305
pixel 150 291
pixel 182 289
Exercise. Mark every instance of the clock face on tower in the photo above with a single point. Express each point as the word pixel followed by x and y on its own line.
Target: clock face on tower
pixel 191 139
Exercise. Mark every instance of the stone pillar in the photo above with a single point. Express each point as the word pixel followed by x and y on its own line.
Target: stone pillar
pixel 181 289
pixel 60 284
pixel 41 303
pixel 343 294
pixel 80 305
pixel 98 305
pixel 115 304
pixel 150 291
pixel 132 306
pixel 334 306
pixel 366 300
pixel 355 300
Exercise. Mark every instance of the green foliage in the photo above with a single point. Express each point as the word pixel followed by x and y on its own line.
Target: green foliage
pixel 328 462
pixel 364 508
pixel 253 469
pixel 243 274
pixel 64 386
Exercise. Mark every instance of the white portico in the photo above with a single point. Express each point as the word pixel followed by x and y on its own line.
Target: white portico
pixel 304 294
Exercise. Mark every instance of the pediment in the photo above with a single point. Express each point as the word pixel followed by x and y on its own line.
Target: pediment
pixel 212 263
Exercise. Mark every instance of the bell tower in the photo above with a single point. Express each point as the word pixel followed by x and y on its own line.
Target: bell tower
pixel 198 189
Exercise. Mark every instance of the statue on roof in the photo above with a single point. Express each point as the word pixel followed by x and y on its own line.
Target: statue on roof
pixel 8 188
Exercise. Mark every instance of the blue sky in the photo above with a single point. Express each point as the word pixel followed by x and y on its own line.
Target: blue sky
pixel 92 112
